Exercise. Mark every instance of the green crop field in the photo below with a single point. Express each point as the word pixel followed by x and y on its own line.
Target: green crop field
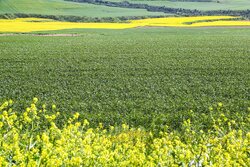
pixel 223 5
pixel 145 96
pixel 135 76
pixel 61 7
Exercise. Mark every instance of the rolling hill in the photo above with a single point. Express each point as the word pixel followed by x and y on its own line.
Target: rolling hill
pixel 61 7
pixel 204 6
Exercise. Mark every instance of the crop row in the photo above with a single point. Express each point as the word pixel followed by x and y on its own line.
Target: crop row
pixel 140 77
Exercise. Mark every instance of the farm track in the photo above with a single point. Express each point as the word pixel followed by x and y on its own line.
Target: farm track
pixel 44 35
pixel 148 27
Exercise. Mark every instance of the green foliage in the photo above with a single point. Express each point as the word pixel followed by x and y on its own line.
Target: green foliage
pixel 135 76
pixel 76 18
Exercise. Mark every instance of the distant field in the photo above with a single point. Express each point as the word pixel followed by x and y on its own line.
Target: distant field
pixel 140 76
pixel 61 7
pixel 223 5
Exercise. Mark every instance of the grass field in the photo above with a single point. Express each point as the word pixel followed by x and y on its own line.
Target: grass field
pixel 61 7
pixel 139 76
pixel 223 5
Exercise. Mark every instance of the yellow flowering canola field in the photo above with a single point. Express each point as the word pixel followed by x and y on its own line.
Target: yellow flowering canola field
pixel 37 24
pixel 33 138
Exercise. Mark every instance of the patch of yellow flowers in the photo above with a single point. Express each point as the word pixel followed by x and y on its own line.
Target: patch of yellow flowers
pixel 37 24
pixel 34 138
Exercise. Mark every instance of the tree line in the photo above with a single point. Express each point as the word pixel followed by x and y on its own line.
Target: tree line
pixel 85 19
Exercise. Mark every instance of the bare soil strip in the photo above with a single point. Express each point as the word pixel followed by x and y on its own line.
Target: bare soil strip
pixel 47 35
pixel 195 27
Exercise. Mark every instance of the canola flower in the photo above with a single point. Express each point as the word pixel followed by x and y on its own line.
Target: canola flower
pixel 178 21
pixel 222 23
pixel 38 24
pixel 33 138
pixel 35 24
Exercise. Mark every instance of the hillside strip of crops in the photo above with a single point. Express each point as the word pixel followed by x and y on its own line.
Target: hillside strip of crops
pixel 164 9
pixel 39 24
pixel 67 8
pixel 203 6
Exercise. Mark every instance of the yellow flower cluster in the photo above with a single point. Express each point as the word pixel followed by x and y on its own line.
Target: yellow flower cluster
pixel 37 24
pixel 33 138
